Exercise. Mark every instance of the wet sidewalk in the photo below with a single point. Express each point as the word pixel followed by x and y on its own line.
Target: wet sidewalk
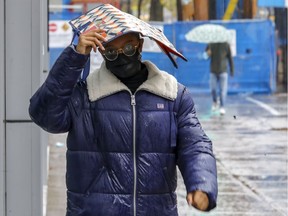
pixel 250 144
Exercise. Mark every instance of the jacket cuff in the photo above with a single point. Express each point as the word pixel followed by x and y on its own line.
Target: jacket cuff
pixel 76 59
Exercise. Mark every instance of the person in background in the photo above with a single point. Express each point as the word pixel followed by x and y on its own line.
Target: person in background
pixel 129 124
pixel 220 54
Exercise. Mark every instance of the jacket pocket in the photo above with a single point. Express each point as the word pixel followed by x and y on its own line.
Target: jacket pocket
pixel 94 181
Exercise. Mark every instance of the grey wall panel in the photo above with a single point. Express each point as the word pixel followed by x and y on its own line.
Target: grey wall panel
pixel 19 58
pixel 2 113
pixel 38 165
pixel 36 46
pixel 24 58
pixel 18 172
pixel 24 188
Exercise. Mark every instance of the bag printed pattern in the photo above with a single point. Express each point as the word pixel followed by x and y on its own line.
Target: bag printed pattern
pixel 116 23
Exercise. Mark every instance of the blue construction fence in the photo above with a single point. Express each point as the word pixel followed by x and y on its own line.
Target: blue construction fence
pixel 254 59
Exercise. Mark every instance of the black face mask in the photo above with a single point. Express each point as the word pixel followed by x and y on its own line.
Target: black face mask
pixel 125 66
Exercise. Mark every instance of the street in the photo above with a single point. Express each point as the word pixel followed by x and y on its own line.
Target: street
pixel 250 145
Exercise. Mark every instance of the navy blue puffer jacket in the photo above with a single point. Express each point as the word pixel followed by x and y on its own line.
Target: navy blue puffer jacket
pixel 122 149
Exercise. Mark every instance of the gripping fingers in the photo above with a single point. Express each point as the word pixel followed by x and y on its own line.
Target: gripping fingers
pixel 101 37
pixel 93 42
pixel 98 41
pixel 93 38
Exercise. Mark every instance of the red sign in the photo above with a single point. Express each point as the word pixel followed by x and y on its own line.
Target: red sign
pixel 52 27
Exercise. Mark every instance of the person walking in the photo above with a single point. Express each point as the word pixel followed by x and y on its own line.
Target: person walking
pixel 219 54
pixel 129 125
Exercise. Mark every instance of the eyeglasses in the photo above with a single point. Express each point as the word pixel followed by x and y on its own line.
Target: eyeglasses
pixel 112 54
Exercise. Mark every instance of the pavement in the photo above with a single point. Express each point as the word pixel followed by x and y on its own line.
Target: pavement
pixel 250 145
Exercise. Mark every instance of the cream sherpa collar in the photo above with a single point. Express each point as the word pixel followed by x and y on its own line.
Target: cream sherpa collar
pixel 102 83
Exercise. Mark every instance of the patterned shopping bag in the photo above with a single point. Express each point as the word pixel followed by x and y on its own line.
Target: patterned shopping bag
pixel 116 23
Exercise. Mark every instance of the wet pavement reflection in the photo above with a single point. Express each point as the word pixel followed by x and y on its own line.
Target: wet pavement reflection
pixel 250 145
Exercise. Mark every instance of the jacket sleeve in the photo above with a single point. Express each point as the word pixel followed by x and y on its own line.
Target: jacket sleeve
pixel 49 106
pixel 195 156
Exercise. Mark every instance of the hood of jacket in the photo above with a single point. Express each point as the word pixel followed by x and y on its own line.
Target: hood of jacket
pixel 102 83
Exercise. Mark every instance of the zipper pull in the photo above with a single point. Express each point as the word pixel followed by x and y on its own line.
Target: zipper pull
pixel 133 101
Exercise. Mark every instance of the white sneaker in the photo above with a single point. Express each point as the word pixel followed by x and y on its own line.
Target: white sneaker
pixel 214 107
pixel 222 111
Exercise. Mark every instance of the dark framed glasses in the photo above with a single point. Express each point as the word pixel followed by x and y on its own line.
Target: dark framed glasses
pixel 112 54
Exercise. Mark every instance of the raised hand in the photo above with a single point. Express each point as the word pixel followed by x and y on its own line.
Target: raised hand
pixel 91 40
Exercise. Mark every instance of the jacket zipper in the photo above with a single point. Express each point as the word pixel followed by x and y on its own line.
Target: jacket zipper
pixel 133 104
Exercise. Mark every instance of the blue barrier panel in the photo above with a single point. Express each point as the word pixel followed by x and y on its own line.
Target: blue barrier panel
pixel 255 59
pixel 54 52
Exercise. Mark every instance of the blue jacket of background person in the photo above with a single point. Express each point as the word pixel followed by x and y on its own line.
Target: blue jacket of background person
pixel 122 149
